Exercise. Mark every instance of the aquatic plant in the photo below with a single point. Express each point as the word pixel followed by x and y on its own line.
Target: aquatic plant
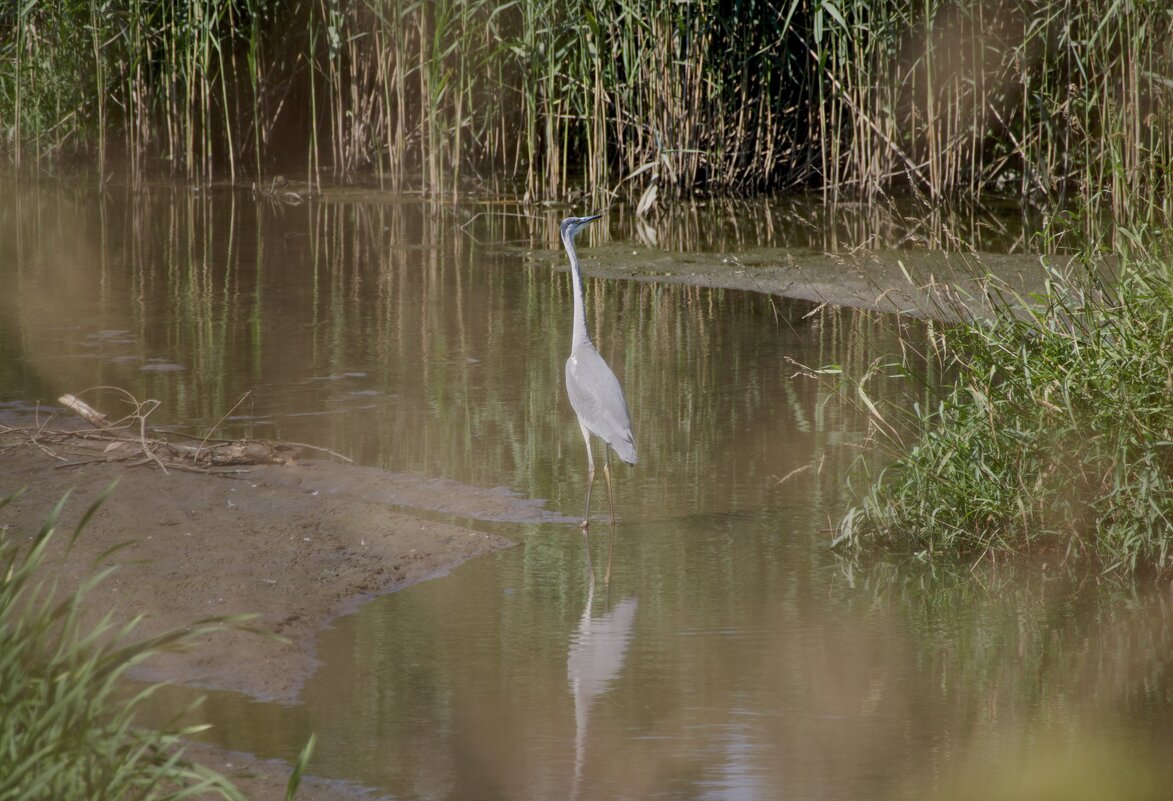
pixel 66 728
pixel 1054 435
pixel 649 98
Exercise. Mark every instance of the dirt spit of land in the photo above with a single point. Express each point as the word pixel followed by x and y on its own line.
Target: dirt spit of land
pixel 916 283
pixel 298 545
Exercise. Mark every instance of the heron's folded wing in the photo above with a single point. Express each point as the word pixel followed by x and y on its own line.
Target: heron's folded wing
pixel 598 401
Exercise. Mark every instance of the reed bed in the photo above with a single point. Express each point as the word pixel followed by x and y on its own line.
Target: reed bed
pixel 644 98
pixel 1052 436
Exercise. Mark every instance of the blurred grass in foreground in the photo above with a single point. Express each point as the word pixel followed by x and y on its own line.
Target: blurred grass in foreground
pixel 65 731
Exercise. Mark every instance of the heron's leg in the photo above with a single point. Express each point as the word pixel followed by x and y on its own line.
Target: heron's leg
pixel 586 518
pixel 611 503
pixel 607 475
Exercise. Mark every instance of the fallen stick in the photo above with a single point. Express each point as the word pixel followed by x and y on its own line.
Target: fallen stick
pixel 132 442
pixel 83 409
pixel 244 452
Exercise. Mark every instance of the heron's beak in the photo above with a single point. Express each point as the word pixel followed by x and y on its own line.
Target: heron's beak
pixel 592 218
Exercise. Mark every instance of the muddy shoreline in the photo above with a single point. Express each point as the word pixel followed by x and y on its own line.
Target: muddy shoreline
pixel 937 285
pixel 296 545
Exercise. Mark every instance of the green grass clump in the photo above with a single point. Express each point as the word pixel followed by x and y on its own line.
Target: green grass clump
pixel 1057 434
pixel 65 732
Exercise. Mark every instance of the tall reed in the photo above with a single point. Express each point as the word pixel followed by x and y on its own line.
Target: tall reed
pixel 949 98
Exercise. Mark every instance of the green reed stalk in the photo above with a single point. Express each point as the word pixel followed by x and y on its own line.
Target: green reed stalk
pixel 313 163
pixel 254 61
pixel 17 80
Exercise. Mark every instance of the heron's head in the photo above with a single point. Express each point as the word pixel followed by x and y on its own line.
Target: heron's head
pixel 572 225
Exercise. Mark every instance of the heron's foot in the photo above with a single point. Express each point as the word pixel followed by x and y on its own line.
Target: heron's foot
pixel 585 525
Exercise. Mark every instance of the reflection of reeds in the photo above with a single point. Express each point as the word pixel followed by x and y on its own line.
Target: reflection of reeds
pixel 740 226
pixel 462 343
pixel 654 97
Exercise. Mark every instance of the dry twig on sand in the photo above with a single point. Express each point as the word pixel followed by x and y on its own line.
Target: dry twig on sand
pixel 131 441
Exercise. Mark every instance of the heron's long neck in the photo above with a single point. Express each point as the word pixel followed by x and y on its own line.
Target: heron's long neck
pixel 580 330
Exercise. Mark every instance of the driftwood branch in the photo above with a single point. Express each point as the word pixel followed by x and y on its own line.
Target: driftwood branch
pixel 84 410
pixel 131 441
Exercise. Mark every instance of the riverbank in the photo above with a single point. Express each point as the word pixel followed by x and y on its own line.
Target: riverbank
pixel 297 545
pixel 937 285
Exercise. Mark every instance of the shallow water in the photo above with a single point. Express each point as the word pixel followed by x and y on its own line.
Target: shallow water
pixel 730 656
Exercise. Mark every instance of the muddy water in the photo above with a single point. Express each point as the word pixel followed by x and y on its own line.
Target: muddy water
pixel 731 655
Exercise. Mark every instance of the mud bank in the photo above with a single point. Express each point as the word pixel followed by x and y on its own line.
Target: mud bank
pixel 296 545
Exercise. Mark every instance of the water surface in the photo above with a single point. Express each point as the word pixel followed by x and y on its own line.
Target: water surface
pixel 731 655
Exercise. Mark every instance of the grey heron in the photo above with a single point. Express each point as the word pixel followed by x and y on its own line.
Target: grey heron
pixel 594 390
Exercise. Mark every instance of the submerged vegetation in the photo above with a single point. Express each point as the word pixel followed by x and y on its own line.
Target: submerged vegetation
pixel 1056 436
pixel 957 98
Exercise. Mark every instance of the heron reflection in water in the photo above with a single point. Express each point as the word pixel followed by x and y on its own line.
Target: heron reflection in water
pixel 594 390
pixel 598 650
